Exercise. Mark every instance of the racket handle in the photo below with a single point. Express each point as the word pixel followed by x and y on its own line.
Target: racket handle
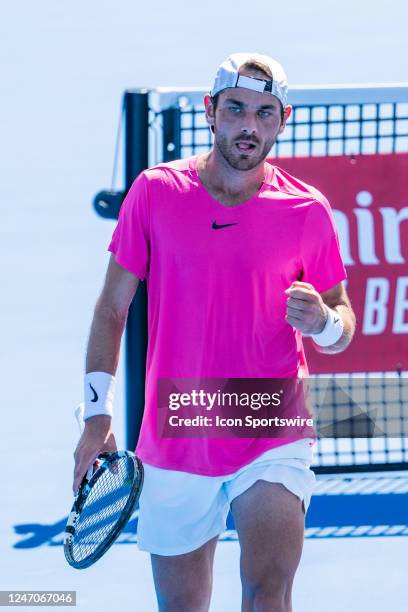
pixel 79 414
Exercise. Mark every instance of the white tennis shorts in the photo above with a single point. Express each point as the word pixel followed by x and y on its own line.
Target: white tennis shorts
pixel 179 511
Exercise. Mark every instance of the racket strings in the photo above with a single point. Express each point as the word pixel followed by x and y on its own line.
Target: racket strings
pixel 103 507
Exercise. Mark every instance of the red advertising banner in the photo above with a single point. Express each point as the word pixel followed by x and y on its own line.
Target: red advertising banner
pixel 369 198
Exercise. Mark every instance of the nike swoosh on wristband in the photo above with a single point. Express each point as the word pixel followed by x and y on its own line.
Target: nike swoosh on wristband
pixel 215 226
pixel 95 397
pixel 336 320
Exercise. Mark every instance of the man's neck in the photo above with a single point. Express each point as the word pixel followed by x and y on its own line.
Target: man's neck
pixel 219 178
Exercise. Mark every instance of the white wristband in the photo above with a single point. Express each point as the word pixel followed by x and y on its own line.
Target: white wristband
pixel 332 331
pixel 99 391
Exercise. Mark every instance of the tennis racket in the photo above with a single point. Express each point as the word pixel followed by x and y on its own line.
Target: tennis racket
pixel 103 505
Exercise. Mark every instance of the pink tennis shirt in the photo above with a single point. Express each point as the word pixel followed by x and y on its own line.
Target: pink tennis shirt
pixel 216 301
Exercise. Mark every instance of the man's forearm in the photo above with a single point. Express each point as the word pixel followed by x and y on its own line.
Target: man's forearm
pixel 349 322
pixel 104 341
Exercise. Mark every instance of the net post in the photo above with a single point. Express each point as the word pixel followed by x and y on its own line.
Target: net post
pixel 171 133
pixel 136 105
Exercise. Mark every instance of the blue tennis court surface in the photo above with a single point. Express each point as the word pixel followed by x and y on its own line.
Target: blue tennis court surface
pixel 342 507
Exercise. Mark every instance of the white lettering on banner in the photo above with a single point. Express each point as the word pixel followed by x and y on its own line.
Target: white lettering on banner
pixel 364 198
pixel 366 246
pixel 401 306
pixel 365 229
pixel 392 236
pixel 375 311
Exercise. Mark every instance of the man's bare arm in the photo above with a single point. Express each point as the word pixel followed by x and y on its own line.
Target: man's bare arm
pixel 102 356
pixel 109 319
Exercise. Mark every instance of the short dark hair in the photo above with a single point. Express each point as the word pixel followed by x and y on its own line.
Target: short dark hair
pixel 259 67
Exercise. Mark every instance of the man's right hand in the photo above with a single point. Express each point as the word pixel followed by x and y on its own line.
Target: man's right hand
pixel 96 438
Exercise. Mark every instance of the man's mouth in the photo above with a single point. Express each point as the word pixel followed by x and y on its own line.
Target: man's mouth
pixel 245 146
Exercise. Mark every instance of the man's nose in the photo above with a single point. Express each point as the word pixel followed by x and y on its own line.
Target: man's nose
pixel 249 126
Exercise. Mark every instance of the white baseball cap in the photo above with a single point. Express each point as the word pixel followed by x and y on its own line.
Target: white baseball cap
pixel 228 76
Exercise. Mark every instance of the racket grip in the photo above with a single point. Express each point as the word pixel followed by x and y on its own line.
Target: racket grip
pixel 79 414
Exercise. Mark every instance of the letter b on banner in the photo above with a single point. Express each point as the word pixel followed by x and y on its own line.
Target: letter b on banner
pixel 375 310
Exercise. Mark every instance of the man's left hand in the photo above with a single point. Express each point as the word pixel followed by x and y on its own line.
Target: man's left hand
pixel 305 308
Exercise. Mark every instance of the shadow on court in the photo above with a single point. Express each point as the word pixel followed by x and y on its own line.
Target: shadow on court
pixel 52 535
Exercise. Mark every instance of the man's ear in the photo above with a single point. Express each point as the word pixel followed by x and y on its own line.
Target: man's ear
pixel 287 111
pixel 209 111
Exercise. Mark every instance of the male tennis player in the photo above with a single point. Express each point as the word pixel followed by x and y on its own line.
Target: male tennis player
pixel 241 259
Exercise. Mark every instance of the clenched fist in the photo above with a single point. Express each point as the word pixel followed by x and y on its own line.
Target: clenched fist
pixel 305 308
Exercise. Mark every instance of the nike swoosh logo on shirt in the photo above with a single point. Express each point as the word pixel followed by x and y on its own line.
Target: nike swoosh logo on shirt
pixel 216 226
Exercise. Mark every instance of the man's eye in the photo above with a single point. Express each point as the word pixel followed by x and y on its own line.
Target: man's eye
pixel 234 109
pixel 264 113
